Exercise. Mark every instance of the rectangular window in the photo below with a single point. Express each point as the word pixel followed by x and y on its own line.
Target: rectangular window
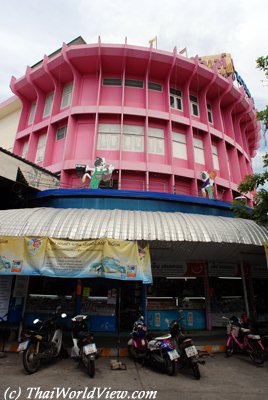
pixel 156 144
pixel 210 115
pixel 66 95
pixel 194 105
pixel 179 145
pixel 199 155
pixel 40 152
pixel 134 83
pixel 155 86
pixel 133 138
pixel 25 149
pixel 32 113
pixel 112 82
pixel 108 137
pixel 48 105
pixel 61 133
pixel 175 99
pixel 215 157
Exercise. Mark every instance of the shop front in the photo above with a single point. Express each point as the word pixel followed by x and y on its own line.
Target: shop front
pixel 200 265
pixel 177 290
pixel 100 278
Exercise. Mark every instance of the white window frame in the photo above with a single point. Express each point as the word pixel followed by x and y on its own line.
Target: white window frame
pixel 199 154
pixel 61 133
pixel 156 141
pixel 40 151
pixel 108 137
pixel 210 114
pixel 32 113
pixel 194 105
pixel 134 83
pixel 112 82
pixel 48 105
pixel 67 92
pixel 215 156
pixel 158 87
pixel 133 138
pixel 179 146
pixel 176 99
pixel 25 149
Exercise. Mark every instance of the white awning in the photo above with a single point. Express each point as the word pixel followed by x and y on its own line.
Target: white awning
pixel 187 236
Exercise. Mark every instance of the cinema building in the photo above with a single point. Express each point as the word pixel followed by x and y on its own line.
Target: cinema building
pixel 179 134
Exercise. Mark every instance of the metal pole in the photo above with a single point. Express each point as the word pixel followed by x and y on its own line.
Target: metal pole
pixel 244 287
pixel 118 321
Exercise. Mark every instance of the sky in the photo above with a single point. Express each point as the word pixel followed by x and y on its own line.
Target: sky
pixel 29 29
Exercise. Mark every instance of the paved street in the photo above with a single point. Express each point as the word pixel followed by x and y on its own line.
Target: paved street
pixel 222 378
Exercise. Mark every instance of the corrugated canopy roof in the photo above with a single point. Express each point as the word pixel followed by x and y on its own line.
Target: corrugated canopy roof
pixel 79 224
pixel 187 236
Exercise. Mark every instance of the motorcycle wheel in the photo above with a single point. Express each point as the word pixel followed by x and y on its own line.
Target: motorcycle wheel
pixel 63 353
pixel 230 348
pixel 91 368
pixel 196 370
pixel 170 367
pixel 256 353
pixel 131 351
pixel 30 362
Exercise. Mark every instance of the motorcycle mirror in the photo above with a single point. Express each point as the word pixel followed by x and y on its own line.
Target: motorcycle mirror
pixel 36 321
pixel 63 315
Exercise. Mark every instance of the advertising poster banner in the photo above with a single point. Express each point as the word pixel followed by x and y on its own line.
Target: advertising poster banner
pixel 266 251
pixel 100 258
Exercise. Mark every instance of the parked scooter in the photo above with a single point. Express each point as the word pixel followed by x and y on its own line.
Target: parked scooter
pixel 43 343
pixel 138 344
pixel 84 348
pixel 163 354
pixel 185 346
pixel 157 352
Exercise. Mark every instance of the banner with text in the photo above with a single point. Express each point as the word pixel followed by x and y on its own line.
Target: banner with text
pixel 100 258
pixel 266 251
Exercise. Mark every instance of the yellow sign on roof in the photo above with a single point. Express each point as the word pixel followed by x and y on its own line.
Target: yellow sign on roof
pixel 223 62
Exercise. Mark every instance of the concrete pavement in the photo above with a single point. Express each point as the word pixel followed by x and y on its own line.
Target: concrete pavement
pixel 222 378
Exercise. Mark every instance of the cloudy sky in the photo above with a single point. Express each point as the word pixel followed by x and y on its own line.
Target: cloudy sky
pixel 31 28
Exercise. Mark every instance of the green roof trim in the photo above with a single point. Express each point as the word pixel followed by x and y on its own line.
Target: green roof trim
pixel 76 41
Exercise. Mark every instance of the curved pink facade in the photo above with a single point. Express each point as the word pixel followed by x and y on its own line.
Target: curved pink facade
pixel 158 117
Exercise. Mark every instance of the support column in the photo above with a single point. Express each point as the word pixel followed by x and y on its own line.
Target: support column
pixel 207 297
pixel 244 286
pixel 144 302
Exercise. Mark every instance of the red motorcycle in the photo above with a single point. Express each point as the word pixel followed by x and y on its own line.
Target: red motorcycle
pixel 138 344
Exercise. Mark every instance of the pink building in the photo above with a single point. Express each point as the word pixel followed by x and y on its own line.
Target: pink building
pixel 160 118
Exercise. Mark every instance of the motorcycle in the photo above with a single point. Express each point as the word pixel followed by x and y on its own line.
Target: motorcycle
pixel 157 352
pixel 162 354
pixel 44 343
pixel 84 348
pixel 138 344
pixel 185 346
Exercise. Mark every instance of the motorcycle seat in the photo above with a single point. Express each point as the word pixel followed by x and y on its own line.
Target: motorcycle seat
pixel 167 336
pixel 31 332
pixel 245 330
pixel 257 337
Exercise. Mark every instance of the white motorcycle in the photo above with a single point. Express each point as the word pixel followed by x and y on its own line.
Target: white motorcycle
pixel 84 348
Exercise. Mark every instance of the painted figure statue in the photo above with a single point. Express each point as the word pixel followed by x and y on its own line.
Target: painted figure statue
pixel 100 172
pixel 208 182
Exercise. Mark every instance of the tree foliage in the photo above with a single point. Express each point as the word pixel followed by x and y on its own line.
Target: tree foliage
pixel 257 181
pixel 262 64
